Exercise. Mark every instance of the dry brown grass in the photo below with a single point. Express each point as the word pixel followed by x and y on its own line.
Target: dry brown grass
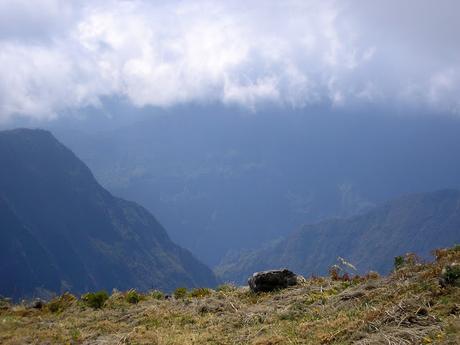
pixel 408 307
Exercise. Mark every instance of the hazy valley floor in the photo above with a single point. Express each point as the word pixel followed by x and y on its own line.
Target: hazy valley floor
pixel 408 307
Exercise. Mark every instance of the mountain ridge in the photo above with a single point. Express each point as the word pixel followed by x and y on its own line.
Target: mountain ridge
pixel 411 223
pixel 224 181
pixel 93 239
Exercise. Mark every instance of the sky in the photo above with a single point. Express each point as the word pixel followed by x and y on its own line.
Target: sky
pixel 57 56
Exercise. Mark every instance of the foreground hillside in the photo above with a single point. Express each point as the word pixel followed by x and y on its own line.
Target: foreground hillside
pixel 61 230
pixel 413 223
pixel 411 306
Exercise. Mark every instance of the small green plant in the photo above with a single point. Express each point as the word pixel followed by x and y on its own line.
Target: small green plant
pixel 456 248
pixel 398 262
pixel 75 334
pixel 95 300
pixel 156 294
pixel 200 292
pixel 452 274
pixel 54 306
pixel 180 292
pixel 58 304
pixel 133 297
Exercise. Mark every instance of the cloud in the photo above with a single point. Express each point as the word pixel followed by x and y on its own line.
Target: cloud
pixel 59 55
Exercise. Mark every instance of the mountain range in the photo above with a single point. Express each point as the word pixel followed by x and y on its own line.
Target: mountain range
pixel 221 180
pixel 415 223
pixel 61 230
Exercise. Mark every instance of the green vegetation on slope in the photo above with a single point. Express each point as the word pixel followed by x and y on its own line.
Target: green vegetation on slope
pixel 61 230
pixel 413 223
pixel 410 306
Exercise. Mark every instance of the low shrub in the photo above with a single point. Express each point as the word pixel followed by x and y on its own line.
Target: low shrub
pixel 180 292
pixel 156 294
pixel 200 292
pixel 451 275
pixel 95 300
pixel 54 306
pixel 398 262
pixel 60 303
pixel 133 297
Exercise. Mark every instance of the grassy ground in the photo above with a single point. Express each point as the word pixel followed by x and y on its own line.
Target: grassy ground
pixel 408 307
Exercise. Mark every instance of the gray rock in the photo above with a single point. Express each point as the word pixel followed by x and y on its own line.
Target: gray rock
pixel 37 304
pixel 273 280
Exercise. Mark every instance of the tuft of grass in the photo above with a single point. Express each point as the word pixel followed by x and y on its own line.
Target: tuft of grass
pixel 407 307
pixel 95 300
pixel 452 274
pixel 156 294
pixel 133 297
pixel 200 292
pixel 225 288
pixel 180 292
pixel 60 303
pixel 75 334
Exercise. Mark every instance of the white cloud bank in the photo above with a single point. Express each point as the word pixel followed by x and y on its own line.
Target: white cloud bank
pixel 57 55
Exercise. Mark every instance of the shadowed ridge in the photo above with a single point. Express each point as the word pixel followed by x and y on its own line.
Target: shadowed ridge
pixel 93 239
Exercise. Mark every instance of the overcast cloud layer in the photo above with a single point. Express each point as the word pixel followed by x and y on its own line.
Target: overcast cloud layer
pixel 59 55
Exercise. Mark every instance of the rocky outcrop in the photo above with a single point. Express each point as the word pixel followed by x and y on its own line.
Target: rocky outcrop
pixel 273 280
